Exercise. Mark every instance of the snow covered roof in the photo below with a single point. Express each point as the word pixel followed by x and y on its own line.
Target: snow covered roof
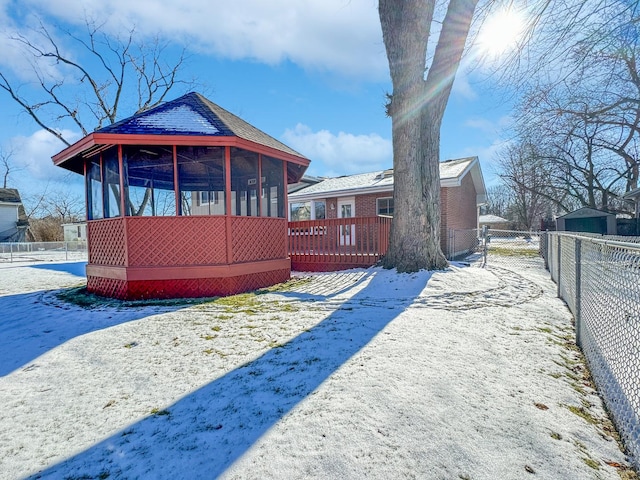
pixel 492 219
pixel 451 174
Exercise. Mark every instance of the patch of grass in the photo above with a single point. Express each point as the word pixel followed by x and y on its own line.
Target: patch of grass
pixel 590 462
pixel 216 328
pixel 208 337
pixel 556 436
pixel 160 413
pixel 583 413
pixel 545 330
pixel 81 297
pixel 514 252
pixel 131 345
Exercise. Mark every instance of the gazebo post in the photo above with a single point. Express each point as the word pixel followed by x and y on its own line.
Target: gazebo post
pixel 121 180
pixel 176 185
pixel 227 199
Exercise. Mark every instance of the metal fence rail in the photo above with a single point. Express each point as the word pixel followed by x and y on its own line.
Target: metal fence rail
pixel 43 251
pixel 599 279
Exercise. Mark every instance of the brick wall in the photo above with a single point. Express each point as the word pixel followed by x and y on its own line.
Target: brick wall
pixel 367 206
pixel 459 212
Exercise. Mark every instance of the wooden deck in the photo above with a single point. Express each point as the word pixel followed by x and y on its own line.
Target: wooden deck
pixel 337 244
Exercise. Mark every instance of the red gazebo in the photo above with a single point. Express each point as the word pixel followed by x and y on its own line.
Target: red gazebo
pixel 184 200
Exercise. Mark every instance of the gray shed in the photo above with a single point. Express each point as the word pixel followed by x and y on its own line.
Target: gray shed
pixel 587 220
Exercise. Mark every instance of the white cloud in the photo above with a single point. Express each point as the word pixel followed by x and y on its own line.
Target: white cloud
pixel 493 128
pixel 32 155
pixel 337 36
pixel 462 88
pixel 341 153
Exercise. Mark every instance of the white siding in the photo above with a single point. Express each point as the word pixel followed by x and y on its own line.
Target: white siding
pixel 8 217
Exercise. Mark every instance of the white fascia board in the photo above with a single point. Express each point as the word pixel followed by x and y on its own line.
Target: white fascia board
pixel 340 193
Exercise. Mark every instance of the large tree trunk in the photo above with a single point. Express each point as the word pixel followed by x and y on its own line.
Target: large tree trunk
pixel 416 109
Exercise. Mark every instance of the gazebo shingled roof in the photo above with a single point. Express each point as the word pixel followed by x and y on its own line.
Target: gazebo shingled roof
pixel 191 115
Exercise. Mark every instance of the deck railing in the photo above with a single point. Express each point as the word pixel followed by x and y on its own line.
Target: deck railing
pixel 336 244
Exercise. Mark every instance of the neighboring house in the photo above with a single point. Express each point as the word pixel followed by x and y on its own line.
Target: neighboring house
pixel 587 220
pixel 13 219
pixel 75 232
pixel 494 221
pixel 371 194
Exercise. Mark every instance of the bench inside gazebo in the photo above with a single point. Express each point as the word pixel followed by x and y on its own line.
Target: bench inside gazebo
pixel 184 200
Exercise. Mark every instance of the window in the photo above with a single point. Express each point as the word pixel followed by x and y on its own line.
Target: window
pixel 272 204
pixel 111 177
pixel 94 189
pixel 244 182
pixel 151 191
pixel 300 211
pixel 319 210
pixel 385 206
pixel 314 210
pixel 201 178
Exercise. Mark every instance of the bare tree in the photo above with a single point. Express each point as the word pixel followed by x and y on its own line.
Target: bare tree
pixel 87 88
pixel 7 166
pixel 499 200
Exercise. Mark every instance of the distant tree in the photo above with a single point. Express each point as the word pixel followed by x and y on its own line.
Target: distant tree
pixel 526 176
pixel 499 200
pixel 48 211
pixel 584 114
pixel 7 167
pixel 86 88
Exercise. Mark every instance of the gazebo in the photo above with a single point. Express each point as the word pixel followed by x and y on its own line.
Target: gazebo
pixel 184 200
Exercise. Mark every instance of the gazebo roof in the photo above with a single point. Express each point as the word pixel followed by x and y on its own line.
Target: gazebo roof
pixel 188 120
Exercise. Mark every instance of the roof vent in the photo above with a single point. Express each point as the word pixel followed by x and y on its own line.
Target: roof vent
pixel 385 174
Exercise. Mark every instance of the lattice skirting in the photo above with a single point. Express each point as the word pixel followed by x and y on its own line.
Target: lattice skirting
pixel 184 288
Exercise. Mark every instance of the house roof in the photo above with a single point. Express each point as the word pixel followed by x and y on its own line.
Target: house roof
pixel 189 120
pixel 491 219
pixel 10 195
pixel 585 212
pixel 451 174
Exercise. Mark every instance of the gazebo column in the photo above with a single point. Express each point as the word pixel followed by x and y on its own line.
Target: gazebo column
pixel 227 198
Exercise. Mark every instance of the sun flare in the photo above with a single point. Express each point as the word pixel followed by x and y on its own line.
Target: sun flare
pixel 501 32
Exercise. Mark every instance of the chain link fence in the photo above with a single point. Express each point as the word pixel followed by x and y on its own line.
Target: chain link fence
pixel 599 279
pixel 497 247
pixel 43 251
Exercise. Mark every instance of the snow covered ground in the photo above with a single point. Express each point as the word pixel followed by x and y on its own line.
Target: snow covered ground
pixel 468 373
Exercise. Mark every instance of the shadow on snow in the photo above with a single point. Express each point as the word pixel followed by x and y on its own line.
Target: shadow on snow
pixel 74 268
pixel 203 433
pixel 34 323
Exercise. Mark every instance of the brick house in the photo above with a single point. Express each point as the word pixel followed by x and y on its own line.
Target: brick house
pixel 462 192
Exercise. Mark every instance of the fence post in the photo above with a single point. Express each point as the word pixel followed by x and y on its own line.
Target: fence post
pixel 66 250
pixel 11 253
pixel 559 263
pixel 578 291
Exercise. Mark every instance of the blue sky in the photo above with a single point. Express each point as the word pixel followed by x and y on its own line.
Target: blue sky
pixel 312 74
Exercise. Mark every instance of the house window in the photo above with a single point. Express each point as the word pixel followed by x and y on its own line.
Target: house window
pixel 385 206
pixel 300 211
pixel 314 210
